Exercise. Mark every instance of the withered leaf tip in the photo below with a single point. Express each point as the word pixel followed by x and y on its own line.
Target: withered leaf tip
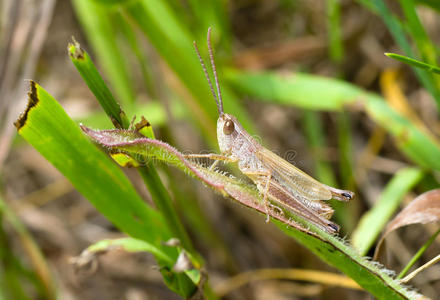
pixel 32 102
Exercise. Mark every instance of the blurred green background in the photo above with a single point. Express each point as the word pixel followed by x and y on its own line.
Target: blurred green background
pixel 309 79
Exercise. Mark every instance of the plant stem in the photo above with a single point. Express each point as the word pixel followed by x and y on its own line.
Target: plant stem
pixel 163 202
pixel 334 30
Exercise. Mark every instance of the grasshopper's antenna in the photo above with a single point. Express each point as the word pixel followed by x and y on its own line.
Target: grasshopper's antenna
pixel 211 57
pixel 219 107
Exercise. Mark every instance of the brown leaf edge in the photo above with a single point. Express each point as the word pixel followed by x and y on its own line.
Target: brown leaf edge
pixel 422 210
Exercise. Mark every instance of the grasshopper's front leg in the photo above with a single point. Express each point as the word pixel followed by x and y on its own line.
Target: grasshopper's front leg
pixel 212 156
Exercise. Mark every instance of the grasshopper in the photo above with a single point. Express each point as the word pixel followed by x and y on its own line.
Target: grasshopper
pixel 277 180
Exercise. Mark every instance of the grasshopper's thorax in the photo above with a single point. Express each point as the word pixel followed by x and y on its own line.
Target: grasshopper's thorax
pixel 233 140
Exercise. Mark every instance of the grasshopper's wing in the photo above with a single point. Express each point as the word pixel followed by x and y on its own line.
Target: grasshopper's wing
pixel 298 182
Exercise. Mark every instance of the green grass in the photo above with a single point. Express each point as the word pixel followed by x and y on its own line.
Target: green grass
pixel 331 249
pixel 49 129
pixel 15 275
pixel 414 62
pixel 373 222
pixel 336 49
pixel 117 31
pixel 417 33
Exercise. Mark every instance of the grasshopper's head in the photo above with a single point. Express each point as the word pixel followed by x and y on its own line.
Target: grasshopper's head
pixel 228 128
pixel 228 132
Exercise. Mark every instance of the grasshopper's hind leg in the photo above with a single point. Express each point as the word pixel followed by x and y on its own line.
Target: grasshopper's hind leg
pixel 266 192
pixel 255 176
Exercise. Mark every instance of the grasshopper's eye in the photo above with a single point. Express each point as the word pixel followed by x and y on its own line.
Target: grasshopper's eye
pixel 228 128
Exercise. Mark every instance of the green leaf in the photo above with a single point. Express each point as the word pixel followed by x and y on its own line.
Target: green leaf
pixel 425 46
pixel 432 3
pixel 338 254
pixel 145 65
pixel 12 271
pixel 376 218
pixel 47 127
pixel 211 13
pixel 96 20
pixel 414 62
pixel 298 89
pixel 149 174
pixel 419 254
pixel 336 49
pixel 320 93
pixel 94 81
pixel 420 146
pixel 133 245
pixel 328 247
pixel 313 130
pixel 128 244
pixel 397 30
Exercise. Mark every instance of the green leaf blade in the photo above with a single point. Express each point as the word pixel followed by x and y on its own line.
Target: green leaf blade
pixel 299 89
pixel 94 81
pixel 414 62
pixel 329 248
pixel 341 256
pixel 96 19
pixel 48 129
pixel 375 219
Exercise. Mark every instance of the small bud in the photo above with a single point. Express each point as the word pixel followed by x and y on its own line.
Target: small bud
pixel 174 242
pixel 183 263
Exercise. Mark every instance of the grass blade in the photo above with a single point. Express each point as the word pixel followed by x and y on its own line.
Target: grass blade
pixel 329 248
pixel 133 41
pixel 419 253
pixel 417 31
pixel 334 30
pixel 396 29
pixel 414 62
pixel 313 130
pixel 376 218
pixel 47 127
pixel 132 245
pixel 94 81
pixel 41 275
pixel 96 20
pixel 149 174
pixel 431 3
pixel 298 89
pixel 211 13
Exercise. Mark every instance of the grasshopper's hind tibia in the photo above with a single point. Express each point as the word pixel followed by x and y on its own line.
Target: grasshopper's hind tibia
pixel 341 195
